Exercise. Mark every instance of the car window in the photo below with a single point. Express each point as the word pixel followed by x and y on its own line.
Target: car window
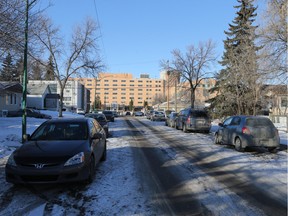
pixel 236 121
pixel 92 128
pixel 227 121
pixel 199 114
pixel 61 131
pixel 97 126
pixel 100 118
pixel 258 122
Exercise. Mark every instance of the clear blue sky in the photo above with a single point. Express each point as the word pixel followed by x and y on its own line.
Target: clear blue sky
pixel 137 34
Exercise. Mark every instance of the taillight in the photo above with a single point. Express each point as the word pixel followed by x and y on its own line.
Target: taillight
pixel 188 120
pixel 246 130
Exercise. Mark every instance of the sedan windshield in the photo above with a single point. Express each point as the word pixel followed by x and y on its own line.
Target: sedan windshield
pixel 61 131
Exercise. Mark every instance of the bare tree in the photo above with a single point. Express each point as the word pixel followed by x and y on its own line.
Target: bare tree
pixel 273 37
pixel 12 26
pixel 82 56
pixel 193 66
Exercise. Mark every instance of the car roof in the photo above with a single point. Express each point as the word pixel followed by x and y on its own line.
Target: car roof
pixel 68 120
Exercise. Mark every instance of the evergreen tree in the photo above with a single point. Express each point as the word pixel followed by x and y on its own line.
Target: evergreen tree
pixel 19 67
pixel 50 74
pixel 8 69
pixel 36 71
pixel 131 105
pixel 237 83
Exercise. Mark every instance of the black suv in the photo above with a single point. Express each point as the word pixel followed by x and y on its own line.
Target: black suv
pixel 193 120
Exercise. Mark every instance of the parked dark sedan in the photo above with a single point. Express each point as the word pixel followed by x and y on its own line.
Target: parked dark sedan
pixel 109 115
pixel 60 150
pixel 30 113
pixel 248 131
pixel 101 119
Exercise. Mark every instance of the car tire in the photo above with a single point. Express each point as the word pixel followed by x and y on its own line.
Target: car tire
pixel 217 139
pixel 104 154
pixel 184 128
pixel 272 150
pixel 91 170
pixel 238 145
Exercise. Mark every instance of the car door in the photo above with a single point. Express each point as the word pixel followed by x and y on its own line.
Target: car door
pixel 224 131
pixel 232 129
pixel 95 143
pixel 101 141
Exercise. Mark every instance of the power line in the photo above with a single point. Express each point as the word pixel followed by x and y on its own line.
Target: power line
pixel 101 36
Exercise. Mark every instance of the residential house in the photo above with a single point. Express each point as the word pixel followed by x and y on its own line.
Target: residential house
pixel 10 97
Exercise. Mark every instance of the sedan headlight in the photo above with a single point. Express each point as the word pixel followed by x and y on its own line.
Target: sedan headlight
pixel 11 160
pixel 76 159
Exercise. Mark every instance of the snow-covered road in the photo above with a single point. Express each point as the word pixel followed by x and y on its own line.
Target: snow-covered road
pixel 117 189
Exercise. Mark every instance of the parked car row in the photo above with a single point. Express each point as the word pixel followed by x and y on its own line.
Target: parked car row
pixel 29 113
pixel 240 131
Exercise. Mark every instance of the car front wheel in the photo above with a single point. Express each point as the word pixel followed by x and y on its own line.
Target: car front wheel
pixel 184 128
pixel 217 139
pixel 104 155
pixel 91 170
pixel 238 145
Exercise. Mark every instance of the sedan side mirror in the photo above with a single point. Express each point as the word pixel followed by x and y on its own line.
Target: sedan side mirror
pixel 97 136
pixel 221 124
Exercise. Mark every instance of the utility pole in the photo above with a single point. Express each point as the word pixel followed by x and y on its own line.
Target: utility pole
pixel 24 102
pixel 24 91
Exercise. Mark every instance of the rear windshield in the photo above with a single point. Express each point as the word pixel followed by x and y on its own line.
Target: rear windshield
pixel 199 114
pixel 100 118
pixel 258 122
pixel 107 112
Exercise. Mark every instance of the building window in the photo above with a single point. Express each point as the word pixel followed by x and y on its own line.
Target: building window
pixel 283 102
pixel 115 80
pixel 67 98
pixel 12 99
pixel 123 80
pixel 106 84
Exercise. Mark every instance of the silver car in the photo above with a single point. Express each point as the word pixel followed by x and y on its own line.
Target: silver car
pixel 248 131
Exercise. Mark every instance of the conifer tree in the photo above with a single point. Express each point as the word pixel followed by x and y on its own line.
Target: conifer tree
pixel 50 74
pixel 238 82
pixel 19 67
pixel 8 69
pixel 36 71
